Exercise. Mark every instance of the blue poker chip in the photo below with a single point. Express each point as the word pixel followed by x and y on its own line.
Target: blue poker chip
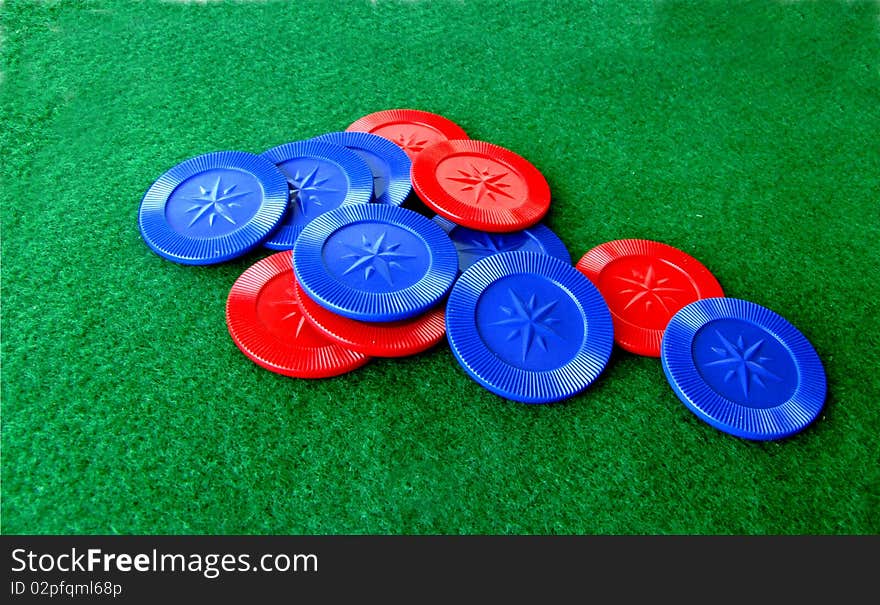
pixel 213 207
pixel 743 369
pixel 475 245
pixel 321 176
pixel 529 327
pixel 389 163
pixel 375 262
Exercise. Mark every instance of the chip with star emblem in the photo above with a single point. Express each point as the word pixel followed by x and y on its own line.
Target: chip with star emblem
pixel 212 208
pixel 480 185
pixel 375 262
pixel 645 283
pixel 743 368
pixel 529 327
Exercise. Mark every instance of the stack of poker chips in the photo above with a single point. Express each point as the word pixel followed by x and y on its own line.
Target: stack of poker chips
pixel 356 271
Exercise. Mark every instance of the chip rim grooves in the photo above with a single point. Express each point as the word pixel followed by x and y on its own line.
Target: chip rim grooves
pixel 535 205
pixel 376 339
pixel 355 169
pixel 399 165
pixel 268 350
pixel 504 379
pixel 170 244
pixel 760 424
pixel 628 335
pixel 323 288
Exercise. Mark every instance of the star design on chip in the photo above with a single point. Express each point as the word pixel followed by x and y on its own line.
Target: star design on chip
pixel 410 142
pixel 743 362
pixel 485 244
pixel 304 189
pixel 646 287
pixel 530 322
pixel 375 257
pixel 294 313
pixel 482 182
pixel 215 202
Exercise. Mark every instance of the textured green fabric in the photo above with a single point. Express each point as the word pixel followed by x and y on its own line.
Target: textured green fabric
pixel 745 133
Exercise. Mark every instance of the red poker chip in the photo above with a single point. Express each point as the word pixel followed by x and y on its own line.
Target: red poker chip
pixel 376 339
pixel 266 323
pixel 480 186
pixel 411 129
pixel 644 284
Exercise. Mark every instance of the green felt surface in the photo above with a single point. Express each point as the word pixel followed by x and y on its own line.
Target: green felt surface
pixel 745 134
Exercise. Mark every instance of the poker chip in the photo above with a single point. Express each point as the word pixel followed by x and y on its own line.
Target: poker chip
pixel 645 283
pixel 266 323
pixel 743 368
pixel 480 186
pixel 388 163
pixel 410 129
pixel 212 208
pixel 376 339
pixel 321 176
pixel 528 327
pixel 475 245
pixel 356 280
pixel 374 262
